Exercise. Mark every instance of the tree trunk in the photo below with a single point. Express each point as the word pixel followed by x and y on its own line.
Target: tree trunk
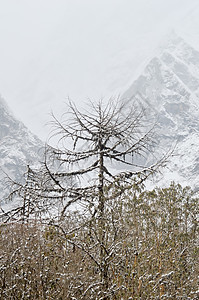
pixel 103 263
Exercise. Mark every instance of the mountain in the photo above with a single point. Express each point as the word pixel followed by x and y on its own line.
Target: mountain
pixel 18 147
pixel 169 87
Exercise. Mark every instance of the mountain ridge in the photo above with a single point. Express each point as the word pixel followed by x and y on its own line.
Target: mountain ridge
pixel 18 147
pixel 169 87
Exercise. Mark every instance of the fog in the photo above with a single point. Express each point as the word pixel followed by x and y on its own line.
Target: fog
pixel 51 50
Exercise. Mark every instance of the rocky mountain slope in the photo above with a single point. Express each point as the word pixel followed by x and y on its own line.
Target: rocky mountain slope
pixel 169 87
pixel 18 147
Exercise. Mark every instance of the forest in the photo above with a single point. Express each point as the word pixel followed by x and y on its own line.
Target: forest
pixel 85 227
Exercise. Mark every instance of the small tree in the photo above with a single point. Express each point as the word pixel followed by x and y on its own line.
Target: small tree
pixel 97 160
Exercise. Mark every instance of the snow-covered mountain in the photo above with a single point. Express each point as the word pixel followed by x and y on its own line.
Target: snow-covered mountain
pixel 169 86
pixel 18 147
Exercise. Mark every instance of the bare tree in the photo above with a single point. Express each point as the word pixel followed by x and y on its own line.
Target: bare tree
pixel 95 162
pixel 98 148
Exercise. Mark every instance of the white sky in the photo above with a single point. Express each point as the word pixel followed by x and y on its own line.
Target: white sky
pixel 52 49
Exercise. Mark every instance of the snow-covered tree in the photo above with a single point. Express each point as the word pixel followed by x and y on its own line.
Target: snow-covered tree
pixel 97 161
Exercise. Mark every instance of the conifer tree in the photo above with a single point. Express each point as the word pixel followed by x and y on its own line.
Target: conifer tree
pixel 97 160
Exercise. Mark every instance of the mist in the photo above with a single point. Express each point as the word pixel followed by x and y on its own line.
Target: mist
pixel 51 50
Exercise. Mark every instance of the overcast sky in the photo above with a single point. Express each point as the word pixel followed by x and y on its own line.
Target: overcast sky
pixel 54 49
